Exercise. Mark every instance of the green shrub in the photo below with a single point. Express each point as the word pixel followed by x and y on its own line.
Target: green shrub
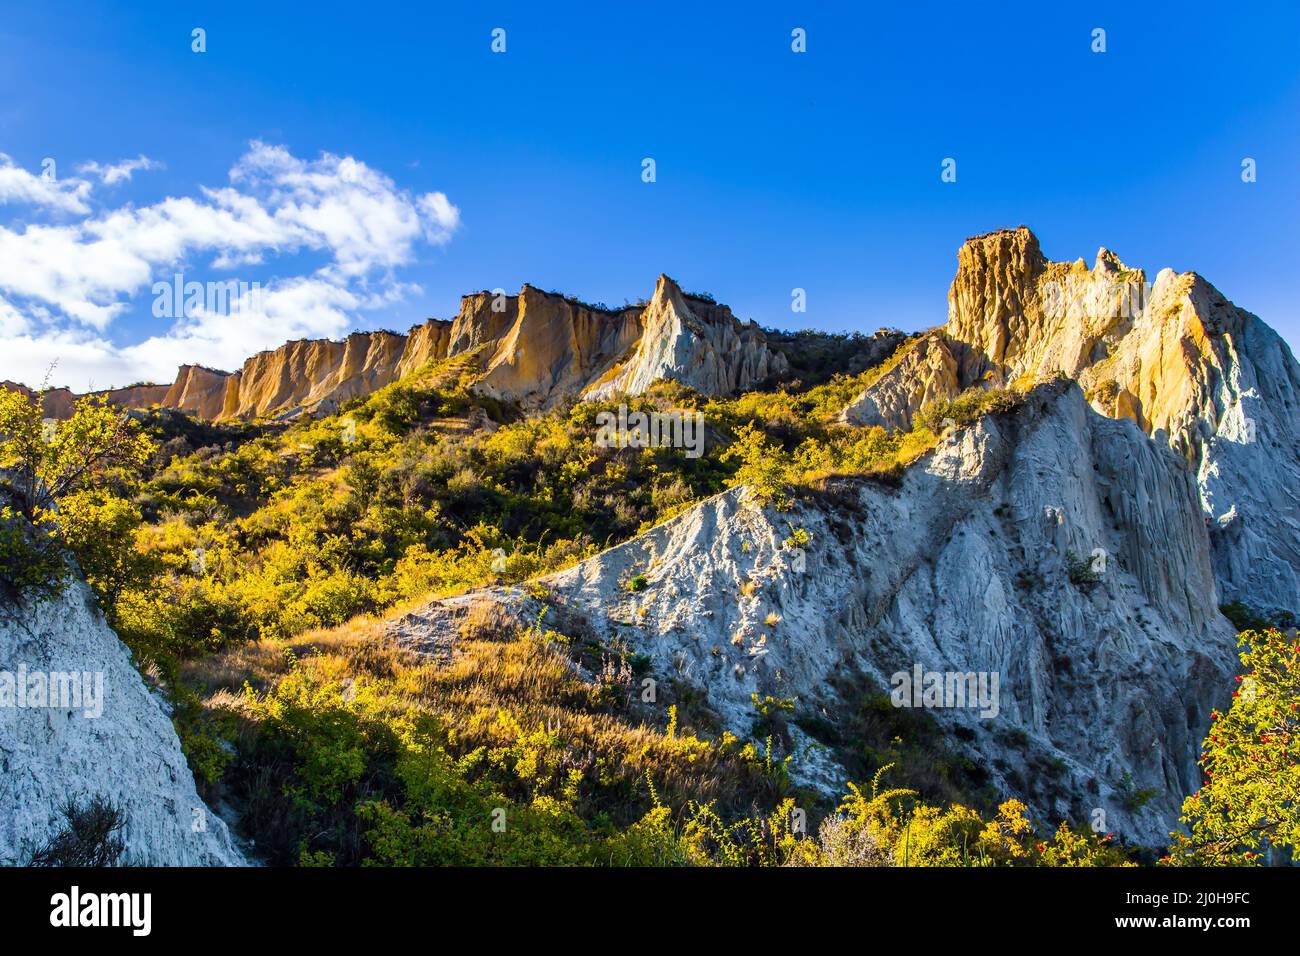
pixel 32 565
pixel 90 836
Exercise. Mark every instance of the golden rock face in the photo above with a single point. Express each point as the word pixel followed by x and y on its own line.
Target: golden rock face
pixel 547 347
pixel 1193 371
pixel 1152 353
pixel 60 402
pixel 535 348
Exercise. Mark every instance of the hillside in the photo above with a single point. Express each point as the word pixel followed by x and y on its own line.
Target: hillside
pixel 1105 685
pixel 396 584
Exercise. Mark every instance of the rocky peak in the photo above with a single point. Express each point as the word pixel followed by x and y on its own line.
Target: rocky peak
pixel 694 341
pixel 992 302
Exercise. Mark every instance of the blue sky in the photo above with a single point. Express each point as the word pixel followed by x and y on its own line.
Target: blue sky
pixel 373 162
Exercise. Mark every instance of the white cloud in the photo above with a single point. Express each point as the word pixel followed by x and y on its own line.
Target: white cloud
pixel 441 214
pixel 17 185
pixel 114 173
pixel 12 322
pixel 63 285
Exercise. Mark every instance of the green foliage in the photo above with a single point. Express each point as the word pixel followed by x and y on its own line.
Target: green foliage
pixel 63 475
pixel 798 538
pixel 765 468
pixel 1133 798
pixel 504 757
pixel 1246 618
pixel 1080 570
pixel 31 563
pixel 891 828
pixel 770 714
pixel 967 407
pixel 81 452
pixel 205 736
pixel 1249 804
pixel 100 528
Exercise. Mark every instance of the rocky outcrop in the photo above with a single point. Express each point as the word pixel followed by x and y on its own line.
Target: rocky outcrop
pixel 924 372
pixel 202 392
pixel 544 348
pixel 1177 358
pixel 424 343
pixel 1105 686
pixel 541 348
pixel 693 341
pixel 315 375
pixel 117 744
pixel 55 402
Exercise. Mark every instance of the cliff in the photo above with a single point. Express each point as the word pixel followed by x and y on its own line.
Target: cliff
pixel 535 348
pixel 128 752
pixel 542 348
pixel 60 402
pixel 1187 366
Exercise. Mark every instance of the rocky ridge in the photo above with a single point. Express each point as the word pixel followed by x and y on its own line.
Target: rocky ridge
pixel 535 348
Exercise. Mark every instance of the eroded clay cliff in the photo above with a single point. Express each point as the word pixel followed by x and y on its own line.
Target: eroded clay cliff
pixel 119 746
pixel 535 349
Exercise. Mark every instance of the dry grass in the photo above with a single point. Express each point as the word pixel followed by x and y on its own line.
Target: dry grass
pixel 504 681
pixel 488 620
pixel 262 663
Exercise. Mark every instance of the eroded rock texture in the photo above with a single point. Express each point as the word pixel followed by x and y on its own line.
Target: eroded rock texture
pixel 129 754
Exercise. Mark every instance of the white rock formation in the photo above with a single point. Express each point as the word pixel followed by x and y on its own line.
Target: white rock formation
pixel 695 342
pixel 964 568
pixel 128 754
pixel 925 372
